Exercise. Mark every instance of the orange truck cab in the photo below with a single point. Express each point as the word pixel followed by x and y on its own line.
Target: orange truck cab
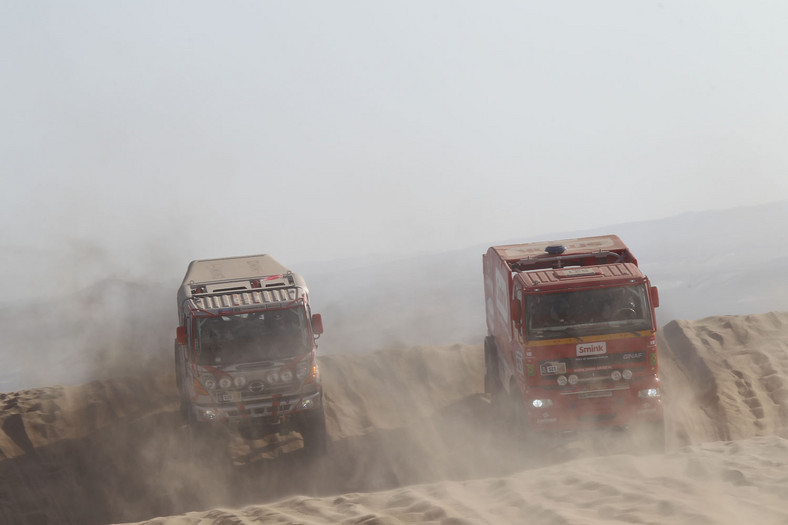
pixel 571 335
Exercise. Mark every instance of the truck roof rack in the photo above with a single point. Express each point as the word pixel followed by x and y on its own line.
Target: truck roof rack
pixel 560 261
pixel 254 299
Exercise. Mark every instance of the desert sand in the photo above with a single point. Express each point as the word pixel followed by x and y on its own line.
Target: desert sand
pixel 413 441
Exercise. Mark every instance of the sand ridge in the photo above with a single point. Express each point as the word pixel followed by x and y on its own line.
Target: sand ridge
pixel 719 482
pixel 412 440
pixel 727 376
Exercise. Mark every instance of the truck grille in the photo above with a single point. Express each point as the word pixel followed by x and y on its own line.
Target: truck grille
pixel 593 390
pixel 258 389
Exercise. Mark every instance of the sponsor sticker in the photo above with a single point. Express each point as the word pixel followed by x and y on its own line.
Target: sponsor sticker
pixel 653 358
pixel 584 349
pixel 530 369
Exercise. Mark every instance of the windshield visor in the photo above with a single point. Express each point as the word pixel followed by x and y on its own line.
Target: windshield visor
pixel 587 312
pixel 250 337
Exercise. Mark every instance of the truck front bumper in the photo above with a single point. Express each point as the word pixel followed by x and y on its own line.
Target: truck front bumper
pixel 579 416
pixel 271 411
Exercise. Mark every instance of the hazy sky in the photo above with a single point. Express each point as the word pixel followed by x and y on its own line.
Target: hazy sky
pixel 136 136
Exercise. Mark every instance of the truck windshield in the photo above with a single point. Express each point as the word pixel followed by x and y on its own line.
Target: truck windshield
pixel 250 337
pixel 587 312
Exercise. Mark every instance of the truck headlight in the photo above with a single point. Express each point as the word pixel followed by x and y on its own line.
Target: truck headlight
pixel 306 404
pixel 615 375
pixel 562 380
pixel 225 382
pixel 573 379
pixel 208 413
pixel 649 393
pixel 627 374
pixel 239 381
pixel 208 381
pixel 542 403
pixel 272 377
pixel 286 376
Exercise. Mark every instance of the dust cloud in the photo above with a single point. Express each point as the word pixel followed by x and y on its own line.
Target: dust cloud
pixel 412 437
pixel 90 430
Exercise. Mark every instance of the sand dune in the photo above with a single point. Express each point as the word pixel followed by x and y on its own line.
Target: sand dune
pixel 725 377
pixel 413 441
pixel 721 482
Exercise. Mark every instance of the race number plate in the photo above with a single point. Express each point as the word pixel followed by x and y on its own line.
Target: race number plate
pixel 552 368
pixel 230 397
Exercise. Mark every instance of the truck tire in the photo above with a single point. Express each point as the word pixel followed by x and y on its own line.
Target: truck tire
pixel 492 383
pixel 208 443
pixel 313 431
pixel 655 437
pixel 516 408
pixel 185 404
pixel 177 367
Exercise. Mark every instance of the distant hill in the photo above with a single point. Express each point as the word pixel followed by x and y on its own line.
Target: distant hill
pixel 705 263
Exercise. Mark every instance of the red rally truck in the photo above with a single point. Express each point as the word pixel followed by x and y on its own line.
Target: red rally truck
pixel 571 336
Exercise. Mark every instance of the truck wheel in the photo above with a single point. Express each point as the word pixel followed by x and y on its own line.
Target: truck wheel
pixel 518 420
pixel 177 368
pixel 492 383
pixel 504 411
pixel 516 409
pixel 313 430
pixel 655 437
pixel 185 404
pixel 199 441
pixel 185 407
pixel 208 443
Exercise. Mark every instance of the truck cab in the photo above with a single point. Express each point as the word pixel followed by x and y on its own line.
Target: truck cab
pixel 572 335
pixel 245 350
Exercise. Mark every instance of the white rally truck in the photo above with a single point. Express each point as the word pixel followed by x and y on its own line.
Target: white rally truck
pixel 245 351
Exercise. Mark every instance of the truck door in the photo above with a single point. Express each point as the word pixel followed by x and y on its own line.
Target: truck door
pixel 518 325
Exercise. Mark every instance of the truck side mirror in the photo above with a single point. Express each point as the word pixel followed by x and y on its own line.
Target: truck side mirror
pixel 317 324
pixel 654 296
pixel 181 337
pixel 517 312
